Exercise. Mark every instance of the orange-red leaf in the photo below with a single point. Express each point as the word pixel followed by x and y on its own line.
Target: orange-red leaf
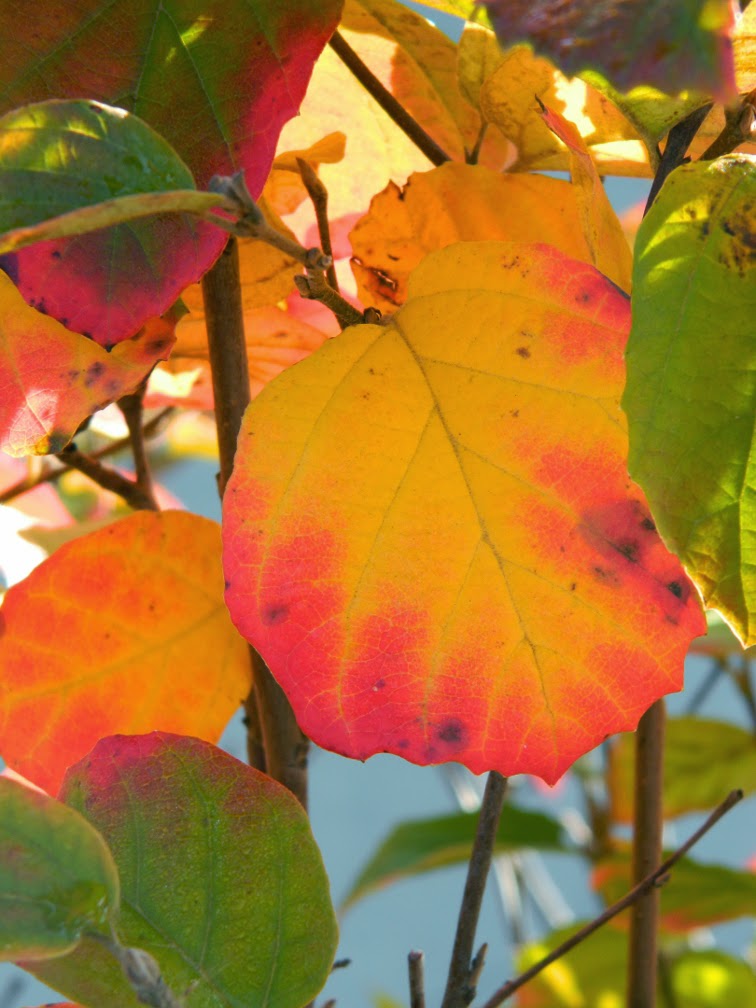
pixel 430 534
pixel 121 631
pixel 51 379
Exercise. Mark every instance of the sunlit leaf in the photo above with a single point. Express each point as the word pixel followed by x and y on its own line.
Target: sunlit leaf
pixel 691 386
pixel 122 630
pixel 457 202
pixel 592 975
pixel 508 99
pixel 275 340
pixel 426 844
pixel 608 248
pixel 221 879
pixel 216 78
pixel 52 379
pixel 58 156
pixel 696 894
pixel 430 534
pixel 670 46
pixel 703 761
pixel 478 56
pixel 57 877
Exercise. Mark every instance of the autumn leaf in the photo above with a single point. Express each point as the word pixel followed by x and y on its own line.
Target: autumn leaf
pixel 637 42
pixel 52 379
pixel 221 879
pixel 459 202
pixel 148 643
pixel 691 390
pixel 508 99
pixel 430 535
pixel 609 250
pixel 57 877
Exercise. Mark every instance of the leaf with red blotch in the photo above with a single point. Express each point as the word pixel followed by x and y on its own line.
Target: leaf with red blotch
pixel 52 379
pixel 430 534
pixel 221 879
pixel 674 47
pixel 216 79
pixel 122 630
pixel 60 156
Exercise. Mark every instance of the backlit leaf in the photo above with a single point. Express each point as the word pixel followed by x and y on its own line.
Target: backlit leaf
pixel 457 202
pixel 430 534
pixel 221 879
pixel 52 379
pixel 508 99
pixel 592 975
pixel 696 894
pixel 426 844
pixel 608 247
pixel 122 630
pixel 703 761
pixel 478 56
pixel 216 78
pixel 670 46
pixel 691 384
pixel 57 877
pixel 58 156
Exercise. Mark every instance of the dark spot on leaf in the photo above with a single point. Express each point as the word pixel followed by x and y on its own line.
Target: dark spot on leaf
pixel 88 335
pixel 522 351
pixel 56 254
pixel 403 743
pixel 453 732
pixel 157 345
pixel 9 265
pixel 514 413
pixel 73 374
pixel 386 285
pixel 727 227
pixel 93 373
pixel 379 684
pixel 676 588
pixel 583 297
pixel 430 753
pixel 607 576
pixel 573 586
pixel 280 335
pixel 647 525
pixel 275 614
pixel 64 321
pixel 226 585
pixel 393 258
pixel 628 549
pixel 112 387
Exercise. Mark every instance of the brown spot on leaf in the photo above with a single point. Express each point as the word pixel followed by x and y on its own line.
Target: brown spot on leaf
pixel 523 352
pixel 93 373
pixel 274 614
pixel 453 733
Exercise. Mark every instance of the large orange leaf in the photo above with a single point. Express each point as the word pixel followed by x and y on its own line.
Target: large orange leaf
pixel 459 202
pixel 430 534
pixel 52 379
pixel 121 631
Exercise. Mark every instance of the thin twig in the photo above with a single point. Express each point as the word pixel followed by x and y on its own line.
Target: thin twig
pixel 53 473
pixel 284 744
pixel 656 878
pixel 415 965
pixel 648 822
pixel 738 127
pixel 463 969
pixel 132 408
pixel 108 479
pixel 319 197
pixel 394 109
pixel 678 141
pixel 471 157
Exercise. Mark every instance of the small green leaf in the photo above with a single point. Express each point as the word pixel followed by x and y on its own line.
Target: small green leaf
pixel 222 882
pixel 711 979
pixel 425 844
pixel 690 396
pixel 57 877
pixel 703 761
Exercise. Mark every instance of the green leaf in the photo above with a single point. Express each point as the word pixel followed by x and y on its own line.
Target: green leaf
pixel 59 156
pixel 57 877
pixel 696 895
pixel 221 879
pixel 703 761
pixel 592 975
pixel 691 382
pixel 425 844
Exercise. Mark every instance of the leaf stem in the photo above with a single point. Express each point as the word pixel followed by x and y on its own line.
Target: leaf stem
pixel 396 111
pixel 648 823
pixel 319 197
pixel 415 965
pixel 463 968
pixel 678 141
pixel 107 478
pixel 132 408
pixel 266 707
pixel 656 878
